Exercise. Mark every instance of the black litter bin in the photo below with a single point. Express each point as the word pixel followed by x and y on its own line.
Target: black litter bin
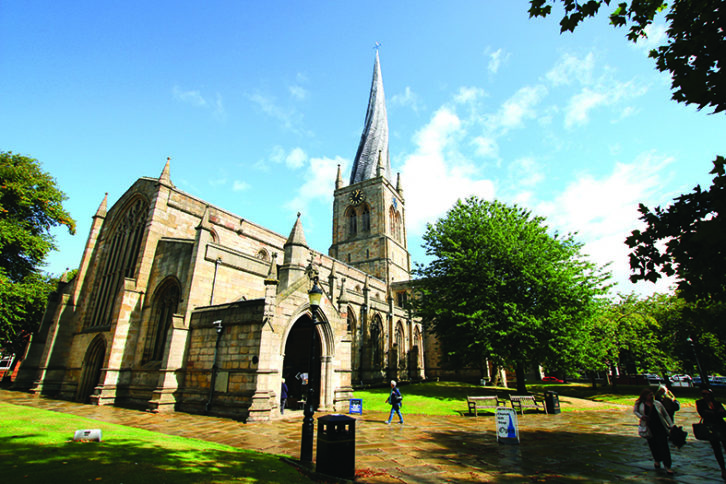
pixel 336 446
pixel 552 402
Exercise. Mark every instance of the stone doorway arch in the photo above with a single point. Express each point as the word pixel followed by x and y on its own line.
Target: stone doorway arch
pixel 303 354
pixel 91 369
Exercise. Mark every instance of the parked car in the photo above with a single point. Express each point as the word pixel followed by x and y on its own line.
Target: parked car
pixel 552 379
pixel 681 381
pixel 653 379
pixel 714 381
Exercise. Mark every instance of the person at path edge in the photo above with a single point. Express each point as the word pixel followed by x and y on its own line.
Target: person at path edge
pixel 713 413
pixel 395 400
pixel 283 397
pixel 655 424
pixel 669 401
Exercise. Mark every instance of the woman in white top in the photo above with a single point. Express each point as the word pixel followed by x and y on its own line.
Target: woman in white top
pixel 654 417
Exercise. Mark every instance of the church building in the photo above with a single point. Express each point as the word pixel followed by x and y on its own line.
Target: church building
pixel 181 305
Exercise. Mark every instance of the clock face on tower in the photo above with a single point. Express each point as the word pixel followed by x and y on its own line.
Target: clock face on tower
pixel 356 196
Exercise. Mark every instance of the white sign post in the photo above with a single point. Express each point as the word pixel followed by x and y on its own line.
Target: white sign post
pixel 507 427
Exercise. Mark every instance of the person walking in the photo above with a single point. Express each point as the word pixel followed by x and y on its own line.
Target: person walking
pixel 655 425
pixel 283 396
pixel 668 400
pixel 713 413
pixel 395 399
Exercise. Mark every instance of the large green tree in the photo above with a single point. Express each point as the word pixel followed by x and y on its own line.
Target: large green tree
pixel 500 287
pixel 694 53
pixel 30 206
pixel 686 240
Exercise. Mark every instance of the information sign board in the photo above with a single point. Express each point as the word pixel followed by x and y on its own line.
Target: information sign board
pixel 507 427
pixel 356 406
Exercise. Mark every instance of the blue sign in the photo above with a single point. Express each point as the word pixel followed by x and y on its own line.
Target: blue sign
pixel 356 406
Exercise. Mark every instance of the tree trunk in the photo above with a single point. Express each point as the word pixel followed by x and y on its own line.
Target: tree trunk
pixel 593 379
pixel 521 383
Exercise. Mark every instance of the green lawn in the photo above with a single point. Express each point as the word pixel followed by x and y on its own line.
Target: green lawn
pixel 38 447
pixel 449 398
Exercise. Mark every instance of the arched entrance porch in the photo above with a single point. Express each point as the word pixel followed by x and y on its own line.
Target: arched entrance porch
pixel 303 352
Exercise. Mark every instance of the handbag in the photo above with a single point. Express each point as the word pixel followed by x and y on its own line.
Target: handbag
pixel 644 431
pixel 678 436
pixel 703 431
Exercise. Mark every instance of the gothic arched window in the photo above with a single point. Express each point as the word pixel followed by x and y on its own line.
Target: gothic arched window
pixel 352 219
pixel 164 307
pixel 121 251
pixel 376 344
pixel 394 223
pixel 400 342
pixel 366 219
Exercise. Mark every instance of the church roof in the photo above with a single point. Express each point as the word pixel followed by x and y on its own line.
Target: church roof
pixel 374 140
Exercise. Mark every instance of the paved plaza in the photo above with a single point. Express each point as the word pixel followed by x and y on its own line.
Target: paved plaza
pixel 599 444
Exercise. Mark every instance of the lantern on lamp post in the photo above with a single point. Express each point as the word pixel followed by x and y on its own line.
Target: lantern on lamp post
pixel 705 384
pixel 315 294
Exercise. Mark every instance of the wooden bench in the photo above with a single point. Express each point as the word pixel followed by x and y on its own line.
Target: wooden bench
pixel 523 402
pixel 483 403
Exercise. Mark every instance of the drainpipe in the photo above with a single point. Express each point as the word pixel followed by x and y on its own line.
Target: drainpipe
pixel 214 280
pixel 218 325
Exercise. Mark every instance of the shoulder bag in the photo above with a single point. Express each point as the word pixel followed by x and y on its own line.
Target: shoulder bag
pixel 703 431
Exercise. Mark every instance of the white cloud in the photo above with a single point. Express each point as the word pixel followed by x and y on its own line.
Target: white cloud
pixel 525 172
pixel 516 109
pixel 656 36
pixel 317 184
pixel 408 99
pixel 603 212
pixel 580 104
pixel 298 92
pixel 597 89
pixel 570 68
pixel 486 146
pixel 239 186
pixel 496 59
pixel 219 111
pixel 289 118
pixel 296 158
pixel 293 159
pixel 437 174
pixel 195 98
pixel 468 94
pixel 192 97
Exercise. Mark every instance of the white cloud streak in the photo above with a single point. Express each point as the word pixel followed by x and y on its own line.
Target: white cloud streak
pixel 603 212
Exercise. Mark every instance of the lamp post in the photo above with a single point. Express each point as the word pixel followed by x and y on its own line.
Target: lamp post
pixel 218 326
pixel 306 443
pixel 704 378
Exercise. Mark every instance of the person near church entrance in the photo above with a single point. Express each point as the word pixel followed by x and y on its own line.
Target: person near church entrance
pixel 713 414
pixel 655 424
pixel 396 400
pixel 669 401
pixel 283 397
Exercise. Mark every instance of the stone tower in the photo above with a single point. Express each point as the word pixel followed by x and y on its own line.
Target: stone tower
pixel 369 214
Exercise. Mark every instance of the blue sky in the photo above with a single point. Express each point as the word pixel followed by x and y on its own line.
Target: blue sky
pixel 257 103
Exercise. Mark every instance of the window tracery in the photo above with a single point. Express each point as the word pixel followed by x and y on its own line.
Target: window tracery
pixel 165 306
pixel 121 254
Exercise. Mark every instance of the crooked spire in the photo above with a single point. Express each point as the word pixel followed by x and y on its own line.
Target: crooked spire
pixel 374 139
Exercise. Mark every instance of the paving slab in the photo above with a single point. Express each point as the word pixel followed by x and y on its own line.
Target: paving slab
pixel 598 444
